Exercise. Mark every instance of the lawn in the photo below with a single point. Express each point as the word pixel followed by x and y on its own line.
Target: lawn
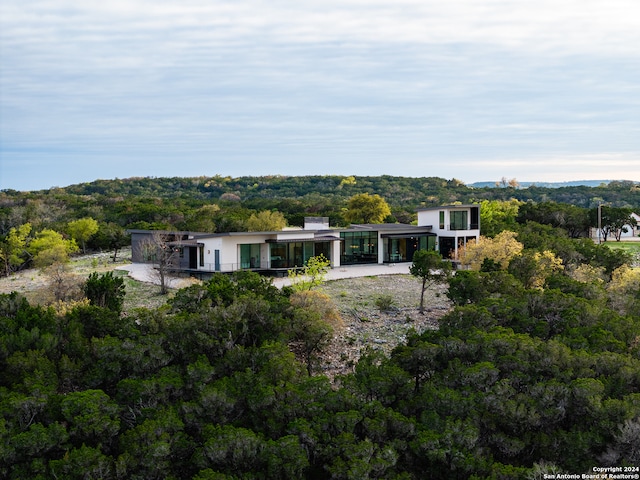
pixel 632 247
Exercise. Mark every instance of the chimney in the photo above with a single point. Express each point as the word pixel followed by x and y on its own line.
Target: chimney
pixel 316 223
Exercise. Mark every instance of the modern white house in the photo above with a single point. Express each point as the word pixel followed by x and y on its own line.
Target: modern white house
pixel 442 228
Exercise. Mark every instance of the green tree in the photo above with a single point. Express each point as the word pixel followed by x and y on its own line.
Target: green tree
pixel 105 291
pixel 110 236
pixel 429 267
pixel 203 219
pixel 49 247
pixel 266 221
pixel 91 416
pixel 311 275
pixel 313 323
pixel 533 268
pixel 13 249
pixel 232 450
pixel 83 463
pixel 572 219
pixel 82 230
pixel 150 449
pixel 611 221
pixel 418 358
pixel 365 208
pixel 466 287
pixel 602 256
pixel 498 215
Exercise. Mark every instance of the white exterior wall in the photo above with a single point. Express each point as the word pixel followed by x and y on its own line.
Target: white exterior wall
pixel 432 218
pixel 429 217
pixel 229 247
pixel 294 235
pixel 335 254
pixel 210 246
pixel 633 230
pixel 380 249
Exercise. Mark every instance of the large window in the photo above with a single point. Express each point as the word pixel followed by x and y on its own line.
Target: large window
pixel 459 220
pixel 322 248
pixel 250 255
pixel 359 247
pixel 401 249
pixel 293 254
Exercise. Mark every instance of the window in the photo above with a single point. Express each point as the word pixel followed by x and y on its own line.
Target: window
pixel 441 219
pixel 401 249
pixel 359 247
pixel 290 255
pixel 475 218
pixel 250 255
pixel 459 220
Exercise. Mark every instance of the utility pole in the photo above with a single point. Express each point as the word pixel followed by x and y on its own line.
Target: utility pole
pixel 599 222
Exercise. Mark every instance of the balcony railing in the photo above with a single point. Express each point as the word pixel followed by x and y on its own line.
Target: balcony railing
pixel 473 226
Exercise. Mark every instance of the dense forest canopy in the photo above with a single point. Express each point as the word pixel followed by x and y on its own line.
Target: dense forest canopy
pixel 172 200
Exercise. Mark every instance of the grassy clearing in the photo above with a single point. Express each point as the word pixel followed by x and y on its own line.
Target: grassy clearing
pixel 632 247
pixel 141 294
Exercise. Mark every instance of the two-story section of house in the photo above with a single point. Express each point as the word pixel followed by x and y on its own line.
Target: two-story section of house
pixel 453 225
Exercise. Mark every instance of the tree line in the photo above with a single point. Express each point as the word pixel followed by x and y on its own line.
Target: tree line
pixel 159 202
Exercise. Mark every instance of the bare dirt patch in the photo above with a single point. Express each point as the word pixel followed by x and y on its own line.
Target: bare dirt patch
pixel 365 326
pixel 34 284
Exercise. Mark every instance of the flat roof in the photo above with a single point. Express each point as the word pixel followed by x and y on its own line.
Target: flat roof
pixel 388 227
pixel 448 207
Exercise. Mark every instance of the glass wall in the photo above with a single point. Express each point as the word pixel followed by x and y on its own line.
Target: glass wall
pixel 322 248
pixel 402 249
pixel 296 254
pixel 359 247
pixel 250 255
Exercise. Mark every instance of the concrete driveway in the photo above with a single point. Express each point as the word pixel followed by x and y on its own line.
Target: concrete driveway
pixel 145 272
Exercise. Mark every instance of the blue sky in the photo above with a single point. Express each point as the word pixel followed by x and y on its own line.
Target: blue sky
pixel 536 90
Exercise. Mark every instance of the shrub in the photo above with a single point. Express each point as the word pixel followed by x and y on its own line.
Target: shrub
pixel 385 302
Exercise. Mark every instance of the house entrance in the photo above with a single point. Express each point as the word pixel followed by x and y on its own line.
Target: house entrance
pixel 193 258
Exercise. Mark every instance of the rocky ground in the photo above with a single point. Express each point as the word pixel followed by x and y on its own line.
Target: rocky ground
pixel 366 326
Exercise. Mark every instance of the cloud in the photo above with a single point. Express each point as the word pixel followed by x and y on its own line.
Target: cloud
pixel 375 84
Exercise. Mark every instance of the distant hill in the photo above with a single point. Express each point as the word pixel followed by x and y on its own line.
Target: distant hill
pixel 576 183
pixel 224 204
